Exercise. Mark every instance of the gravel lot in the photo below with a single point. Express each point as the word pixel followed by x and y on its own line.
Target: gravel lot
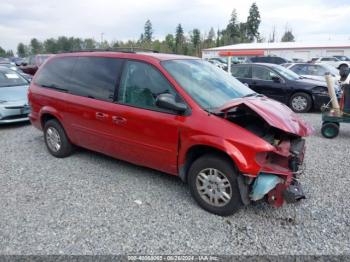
pixel 85 204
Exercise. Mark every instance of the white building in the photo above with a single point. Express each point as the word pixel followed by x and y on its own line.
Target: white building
pixel 288 50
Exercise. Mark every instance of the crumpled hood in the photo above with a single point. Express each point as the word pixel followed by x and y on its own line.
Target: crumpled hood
pixel 274 113
pixel 13 93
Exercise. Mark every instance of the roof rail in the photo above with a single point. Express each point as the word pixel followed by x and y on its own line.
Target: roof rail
pixel 114 49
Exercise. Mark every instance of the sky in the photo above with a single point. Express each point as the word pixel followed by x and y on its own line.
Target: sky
pixel 310 20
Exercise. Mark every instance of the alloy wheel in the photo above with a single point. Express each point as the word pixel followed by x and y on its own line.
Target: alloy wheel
pixel 214 187
pixel 53 139
pixel 299 103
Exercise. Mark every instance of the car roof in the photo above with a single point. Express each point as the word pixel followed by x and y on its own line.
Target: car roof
pixel 262 64
pixel 130 55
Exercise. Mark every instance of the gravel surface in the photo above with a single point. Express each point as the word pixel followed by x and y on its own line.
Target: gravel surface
pixel 92 204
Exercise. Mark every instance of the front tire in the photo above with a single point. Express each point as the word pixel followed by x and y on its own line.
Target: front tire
pixel 56 140
pixel 300 102
pixel 213 184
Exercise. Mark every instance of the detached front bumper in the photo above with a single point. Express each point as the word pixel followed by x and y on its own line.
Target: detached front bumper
pixel 13 112
pixel 278 180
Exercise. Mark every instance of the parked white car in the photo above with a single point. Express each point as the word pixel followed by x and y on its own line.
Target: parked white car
pixel 333 61
pixel 313 71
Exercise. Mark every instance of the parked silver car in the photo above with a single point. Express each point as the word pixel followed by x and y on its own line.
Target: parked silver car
pixel 13 97
pixel 313 71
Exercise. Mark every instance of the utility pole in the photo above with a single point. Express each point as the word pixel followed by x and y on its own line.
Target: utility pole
pixel 102 38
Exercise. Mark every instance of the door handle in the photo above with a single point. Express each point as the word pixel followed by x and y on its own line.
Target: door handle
pixel 118 120
pixel 101 116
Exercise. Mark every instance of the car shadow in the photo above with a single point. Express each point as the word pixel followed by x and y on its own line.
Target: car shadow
pixel 133 168
pixel 14 125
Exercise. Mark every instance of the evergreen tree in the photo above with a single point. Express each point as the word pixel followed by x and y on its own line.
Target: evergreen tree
pixel 288 36
pixel 211 35
pixel 217 42
pixel 148 35
pixel 35 46
pixel 9 53
pixel 253 23
pixel 196 39
pixel 2 52
pixel 179 39
pixel 21 50
pixel 232 30
pixel 89 43
pixel 50 46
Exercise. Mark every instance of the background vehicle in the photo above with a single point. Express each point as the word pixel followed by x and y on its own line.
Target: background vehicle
pixel 342 57
pixel 17 60
pixel 34 63
pixel 183 112
pixel 218 64
pixel 313 71
pixel 13 97
pixel 283 85
pixel 268 59
pixel 333 61
pixel 18 70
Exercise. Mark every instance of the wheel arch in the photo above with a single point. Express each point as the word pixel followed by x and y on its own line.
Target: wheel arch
pixel 309 92
pixel 48 113
pixel 199 150
pixel 343 64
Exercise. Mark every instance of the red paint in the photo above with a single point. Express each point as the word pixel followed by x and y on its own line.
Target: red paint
pixel 242 53
pixel 274 113
pixel 160 140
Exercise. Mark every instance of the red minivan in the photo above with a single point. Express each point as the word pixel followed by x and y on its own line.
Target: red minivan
pixel 177 114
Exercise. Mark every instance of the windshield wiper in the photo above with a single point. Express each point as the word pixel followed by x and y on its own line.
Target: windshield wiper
pixel 52 86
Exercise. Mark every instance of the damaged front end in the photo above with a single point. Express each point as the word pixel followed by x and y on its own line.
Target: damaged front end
pixel 277 180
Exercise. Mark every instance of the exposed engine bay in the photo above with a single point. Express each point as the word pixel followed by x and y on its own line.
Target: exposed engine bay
pixel 280 169
pixel 245 117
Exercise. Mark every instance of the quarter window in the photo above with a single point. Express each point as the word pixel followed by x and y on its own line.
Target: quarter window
pixel 95 77
pixel 56 73
pixel 140 85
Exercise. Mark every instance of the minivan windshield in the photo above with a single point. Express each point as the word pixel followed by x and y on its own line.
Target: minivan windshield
pixel 210 86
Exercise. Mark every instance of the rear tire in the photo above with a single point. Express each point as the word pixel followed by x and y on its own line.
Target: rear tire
pixel 300 102
pixel 213 184
pixel 56 140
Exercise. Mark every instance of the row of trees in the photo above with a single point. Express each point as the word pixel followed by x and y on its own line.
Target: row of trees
pixel 179 43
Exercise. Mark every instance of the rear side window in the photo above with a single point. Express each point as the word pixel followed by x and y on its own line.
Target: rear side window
pixel 300 69
pixel 141 84
pixel 263 73
pixel 95 77
pixel 56 73
pixel 241 71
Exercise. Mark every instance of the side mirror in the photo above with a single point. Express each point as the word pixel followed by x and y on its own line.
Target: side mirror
pixel 167 101
pixel 276 79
